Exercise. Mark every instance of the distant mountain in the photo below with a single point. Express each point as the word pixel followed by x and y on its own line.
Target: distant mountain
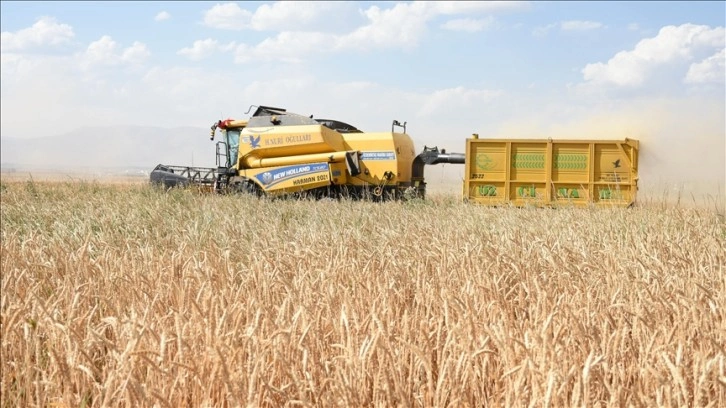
pixel 111 147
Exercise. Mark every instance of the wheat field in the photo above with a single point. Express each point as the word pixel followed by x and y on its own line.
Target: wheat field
pixel 126 295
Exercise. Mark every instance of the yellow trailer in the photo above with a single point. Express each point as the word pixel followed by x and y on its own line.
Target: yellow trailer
pixel 547 172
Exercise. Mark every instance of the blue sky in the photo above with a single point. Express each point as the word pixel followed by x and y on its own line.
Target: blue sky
pixel 504 69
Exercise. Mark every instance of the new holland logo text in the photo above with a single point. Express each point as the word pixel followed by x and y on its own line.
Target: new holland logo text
pixel 281 174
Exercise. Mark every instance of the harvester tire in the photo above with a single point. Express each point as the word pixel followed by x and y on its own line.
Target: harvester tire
pixel 246 187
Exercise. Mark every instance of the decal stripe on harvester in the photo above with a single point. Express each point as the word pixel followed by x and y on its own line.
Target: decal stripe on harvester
pixel 378 156
pixel 272 177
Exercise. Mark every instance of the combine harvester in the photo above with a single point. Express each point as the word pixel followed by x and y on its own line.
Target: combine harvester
pixel 276 152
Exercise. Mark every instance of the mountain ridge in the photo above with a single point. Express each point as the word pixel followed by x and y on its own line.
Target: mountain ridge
pixel 123 146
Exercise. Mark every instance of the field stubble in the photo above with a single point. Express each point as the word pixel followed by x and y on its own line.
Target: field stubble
pixel 124 295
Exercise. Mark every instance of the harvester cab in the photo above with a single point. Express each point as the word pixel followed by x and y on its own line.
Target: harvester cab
pixel 227 150
pixel 277 152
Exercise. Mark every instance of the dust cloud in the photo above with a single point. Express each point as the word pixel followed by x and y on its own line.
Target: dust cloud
pixel 682 155
pixel 682 143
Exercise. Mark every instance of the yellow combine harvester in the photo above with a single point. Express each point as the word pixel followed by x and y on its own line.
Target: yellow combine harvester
pixel 277 152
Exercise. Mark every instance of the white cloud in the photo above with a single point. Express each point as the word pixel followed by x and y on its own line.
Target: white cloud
pixel 285 16
pixel 164 15
pixel 136 53
pixel 571 25
pixel 456 98
pixel 306 25
pixel 631 68
pixel 577 25
pixel 287 46
pixel 541 31
pixel 711 69
pixel 468 24
pixel 322 16
pixel 46 31
pixel 228 16
pixel 403 25
pixel 14 64
pixel 101 50
pixel 633 27
pixel 399 26
pixel 104 52
pixel 204 48
pixel 298 15
pixel 468 7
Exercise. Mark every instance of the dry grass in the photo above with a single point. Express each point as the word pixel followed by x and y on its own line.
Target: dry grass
pixel 122 295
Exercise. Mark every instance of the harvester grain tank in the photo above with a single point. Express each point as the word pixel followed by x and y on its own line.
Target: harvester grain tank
pixel 277 152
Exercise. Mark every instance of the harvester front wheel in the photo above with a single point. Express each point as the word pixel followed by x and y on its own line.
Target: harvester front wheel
pixel 246 187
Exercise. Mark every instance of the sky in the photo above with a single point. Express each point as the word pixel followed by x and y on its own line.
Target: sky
pixel 652 71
